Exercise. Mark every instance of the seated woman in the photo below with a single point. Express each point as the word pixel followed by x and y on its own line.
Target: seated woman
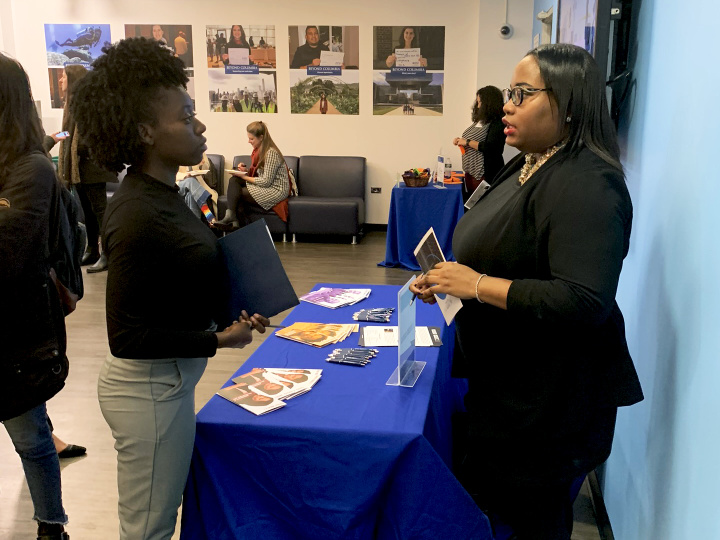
pixel 265 186
pixel 198 195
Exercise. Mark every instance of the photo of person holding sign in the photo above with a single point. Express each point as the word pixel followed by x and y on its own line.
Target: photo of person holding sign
pixel 409 47
pixel 309 53
pixel 408 51
pixel 237 41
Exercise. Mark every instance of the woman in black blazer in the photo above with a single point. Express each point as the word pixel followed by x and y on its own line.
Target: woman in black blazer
pixel 483 141
pixel 540 336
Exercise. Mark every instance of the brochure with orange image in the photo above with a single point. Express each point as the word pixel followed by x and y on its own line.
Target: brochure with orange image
pixel 317 334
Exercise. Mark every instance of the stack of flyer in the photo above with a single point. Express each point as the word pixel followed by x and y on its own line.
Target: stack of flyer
pixel 263 389
pixel 335 298
pixel 317 334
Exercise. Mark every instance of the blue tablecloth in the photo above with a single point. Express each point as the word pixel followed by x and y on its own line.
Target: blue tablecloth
pixel 412 212
pixel 351 459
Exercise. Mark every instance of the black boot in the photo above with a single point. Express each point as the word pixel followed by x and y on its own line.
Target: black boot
pixel 100 266
pixel 91 256
pixel 228 223
pixel 51 531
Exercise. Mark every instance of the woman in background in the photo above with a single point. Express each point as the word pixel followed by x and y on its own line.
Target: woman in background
pixel 77 170
pixel 265 186
pixel 32 327
pixel 408 40
pixel 484 141
pixel 134 108
pixel 540 336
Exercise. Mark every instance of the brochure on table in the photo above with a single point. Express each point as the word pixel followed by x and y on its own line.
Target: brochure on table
pixel 265 389
pixel 387 336
pixel 428 254
pixel 408 369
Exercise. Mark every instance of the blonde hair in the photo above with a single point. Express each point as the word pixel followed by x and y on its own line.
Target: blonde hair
pixel 259 129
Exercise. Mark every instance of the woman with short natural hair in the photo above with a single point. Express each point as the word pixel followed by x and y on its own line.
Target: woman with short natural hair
pixel 134 108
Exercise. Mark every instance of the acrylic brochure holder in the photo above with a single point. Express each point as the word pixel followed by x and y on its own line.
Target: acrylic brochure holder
pixel 408 370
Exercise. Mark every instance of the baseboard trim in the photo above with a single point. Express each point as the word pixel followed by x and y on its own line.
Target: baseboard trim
pixel 601 516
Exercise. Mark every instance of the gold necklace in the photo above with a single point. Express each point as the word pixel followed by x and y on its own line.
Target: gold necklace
pixel 534 161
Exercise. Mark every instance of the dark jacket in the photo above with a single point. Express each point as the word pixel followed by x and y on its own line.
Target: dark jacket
pixel 33 366
pixel 557 356
pixel 492 148
pixel 90 172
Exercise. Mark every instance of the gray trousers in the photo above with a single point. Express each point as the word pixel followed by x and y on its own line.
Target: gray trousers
pixel 150 408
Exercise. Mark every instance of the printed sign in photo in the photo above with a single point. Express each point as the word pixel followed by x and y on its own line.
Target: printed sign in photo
pixel 409 46
pixel 241 49
pixel 242 93
pixel 317 94
pixel 71 44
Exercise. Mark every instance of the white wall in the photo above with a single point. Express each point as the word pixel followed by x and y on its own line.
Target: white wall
pixel 662 478
pixel 497 57
pixel 390 144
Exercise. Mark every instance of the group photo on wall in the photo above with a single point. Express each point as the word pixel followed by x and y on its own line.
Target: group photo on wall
pixel 408 64
pixel 324 63
pixel 242 93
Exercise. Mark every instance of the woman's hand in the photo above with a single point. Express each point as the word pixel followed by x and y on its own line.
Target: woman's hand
pixel 421 291
pixel 235 336
pixel 448 278
pixel 423 62
pixel 242 167
pixel 456 141
pixel 257 321
pixel 390 62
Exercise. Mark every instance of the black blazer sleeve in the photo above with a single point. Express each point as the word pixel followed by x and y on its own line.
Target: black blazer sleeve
pixel 492 148
pixel 587 231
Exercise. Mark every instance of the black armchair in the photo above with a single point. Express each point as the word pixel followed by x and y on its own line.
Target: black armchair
pixel 331 196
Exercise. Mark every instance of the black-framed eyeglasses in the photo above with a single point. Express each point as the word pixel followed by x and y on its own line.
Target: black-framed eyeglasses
pixel 517 94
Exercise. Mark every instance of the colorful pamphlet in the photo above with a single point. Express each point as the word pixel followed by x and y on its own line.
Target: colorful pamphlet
pixel 335 298
pixel 428 254
pixel 317 334
pixel 250 400
pixel 262 390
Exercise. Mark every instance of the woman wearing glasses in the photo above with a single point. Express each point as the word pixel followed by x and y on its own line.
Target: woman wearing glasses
pixel 484 141
pixel 540 336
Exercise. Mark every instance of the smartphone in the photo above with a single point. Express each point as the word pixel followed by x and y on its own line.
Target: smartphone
pixel 63 134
